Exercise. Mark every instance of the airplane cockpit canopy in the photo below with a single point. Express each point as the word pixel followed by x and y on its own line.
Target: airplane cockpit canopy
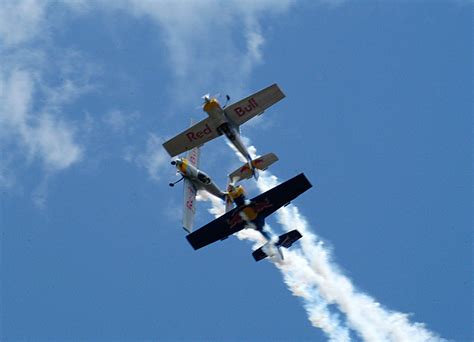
pixel 203 178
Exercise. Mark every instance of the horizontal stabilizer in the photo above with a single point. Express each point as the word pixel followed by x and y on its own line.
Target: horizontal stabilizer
pixel 259 254
pixel 285 240
pixel 260 163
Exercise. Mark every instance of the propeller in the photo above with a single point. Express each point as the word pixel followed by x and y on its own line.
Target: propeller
pixel 176 162
pixel 227 98
pixel 207 98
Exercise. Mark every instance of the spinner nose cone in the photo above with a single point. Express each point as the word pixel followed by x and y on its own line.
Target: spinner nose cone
pixel 206 98
pixel 177 162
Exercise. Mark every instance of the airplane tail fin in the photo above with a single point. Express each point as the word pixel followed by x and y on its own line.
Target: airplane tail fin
pixel 254 171
pixel 228 203
pixel 250 169
pixel 285 240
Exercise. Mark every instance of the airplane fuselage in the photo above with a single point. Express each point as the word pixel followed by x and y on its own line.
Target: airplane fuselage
pixel 249 211
pixel 225 126
pixel 199 179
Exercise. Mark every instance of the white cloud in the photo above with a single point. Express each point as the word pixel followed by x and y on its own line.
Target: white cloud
pixel 120 121
pixel 21 20
pixel 204 38
pixel 55 141
pixel 201 44
pixel 154 159
pixel 43 134
pixel 33 122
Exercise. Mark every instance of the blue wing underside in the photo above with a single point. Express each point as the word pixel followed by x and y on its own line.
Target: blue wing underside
pixel 264 204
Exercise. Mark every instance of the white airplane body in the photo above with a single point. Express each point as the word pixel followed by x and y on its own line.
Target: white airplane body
pixel 224 121
pixel 194 180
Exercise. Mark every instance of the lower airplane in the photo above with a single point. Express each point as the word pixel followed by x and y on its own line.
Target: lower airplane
pixel 195 179
pixel 252 213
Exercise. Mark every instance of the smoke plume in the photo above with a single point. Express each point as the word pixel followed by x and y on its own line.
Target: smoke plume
pixel 310 274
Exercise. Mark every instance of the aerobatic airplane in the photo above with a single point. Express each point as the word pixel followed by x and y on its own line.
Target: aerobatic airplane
pixel 195 179
pixel 252 214
pixel 225 120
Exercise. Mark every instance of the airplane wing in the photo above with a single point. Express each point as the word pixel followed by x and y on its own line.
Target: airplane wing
pixel 281 195
pixel 189 207
pixel 216 230
pixel 193 156
pixel 189 195
pixel 243 110
pixel 194 136
pixel 262 205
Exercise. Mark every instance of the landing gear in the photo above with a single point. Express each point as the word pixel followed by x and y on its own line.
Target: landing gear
pixel 179 180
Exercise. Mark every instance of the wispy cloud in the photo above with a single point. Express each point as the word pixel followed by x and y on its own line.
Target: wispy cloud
pixel 34 93
pixel 40 132
pixel 209 43
pixel 120 121
pixel 153 159
pixel 21 20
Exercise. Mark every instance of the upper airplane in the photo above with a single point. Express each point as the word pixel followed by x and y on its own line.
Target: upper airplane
pixel 225 120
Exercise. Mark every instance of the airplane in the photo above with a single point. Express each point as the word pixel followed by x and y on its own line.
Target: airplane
pixel 225 120
pixel 252 213
pixel 195 179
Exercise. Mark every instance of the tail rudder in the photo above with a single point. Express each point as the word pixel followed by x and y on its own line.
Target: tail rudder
pixel 254 171
pixel 228 203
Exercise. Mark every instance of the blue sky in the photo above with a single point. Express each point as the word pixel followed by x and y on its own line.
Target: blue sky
pixel 378 115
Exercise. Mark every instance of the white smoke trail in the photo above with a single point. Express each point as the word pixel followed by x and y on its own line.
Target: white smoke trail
pixel 367 317
pixel 310 274
pixel 299 277
pixel 297 274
